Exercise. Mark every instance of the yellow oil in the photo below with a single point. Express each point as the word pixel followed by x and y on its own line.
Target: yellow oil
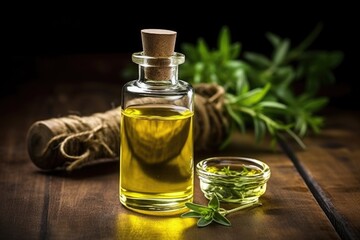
pixel 156 159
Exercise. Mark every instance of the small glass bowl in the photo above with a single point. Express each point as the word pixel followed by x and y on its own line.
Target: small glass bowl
pixel 233 179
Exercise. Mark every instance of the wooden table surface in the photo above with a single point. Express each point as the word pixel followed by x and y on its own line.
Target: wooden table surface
pixel 312 193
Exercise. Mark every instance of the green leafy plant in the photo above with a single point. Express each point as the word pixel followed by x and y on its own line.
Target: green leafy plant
pixel 228 172
pixel 263 91
pixel 212 212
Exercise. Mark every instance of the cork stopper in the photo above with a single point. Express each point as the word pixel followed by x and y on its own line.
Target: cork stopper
pixel 158 43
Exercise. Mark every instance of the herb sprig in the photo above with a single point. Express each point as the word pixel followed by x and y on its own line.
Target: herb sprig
pixel 245 171
pixel 212 212
pixel 260 89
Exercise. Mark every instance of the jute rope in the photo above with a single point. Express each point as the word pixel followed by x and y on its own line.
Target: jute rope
pixel 72 142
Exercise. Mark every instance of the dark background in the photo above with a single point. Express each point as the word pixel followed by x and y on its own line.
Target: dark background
pixel 34 37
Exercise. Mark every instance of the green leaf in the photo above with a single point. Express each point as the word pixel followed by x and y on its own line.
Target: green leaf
pixel 270 104
pixel 262 87
pixel 197 208
pixel 260 129
pixel 214 203
pixel 237 118
pixel 241 85
pixel 221 219
pixel 258 59
pixel 213 211
pixel 235 50
pixel 280 52
pixel 301 126
pixel 297 51
pixel 315 104
pixel 274 39
pixel 224 43
pixel 191 214
pixel 190 51
pixel 203 221
pixel 254 96
pixel 198 70
pixel 203 50
pixel 315 123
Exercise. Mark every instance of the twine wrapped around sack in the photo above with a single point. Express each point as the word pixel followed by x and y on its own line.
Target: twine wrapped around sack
pixel 71 142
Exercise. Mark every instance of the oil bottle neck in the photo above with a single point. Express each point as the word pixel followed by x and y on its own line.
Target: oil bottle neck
pixel 158 71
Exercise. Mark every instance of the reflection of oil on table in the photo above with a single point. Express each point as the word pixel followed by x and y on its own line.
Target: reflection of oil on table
pixel 312 194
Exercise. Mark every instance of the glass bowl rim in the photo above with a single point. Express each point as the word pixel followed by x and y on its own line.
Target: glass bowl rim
pixel 265 169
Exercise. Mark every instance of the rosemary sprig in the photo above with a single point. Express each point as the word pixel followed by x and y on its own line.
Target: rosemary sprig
pixel 212 212
pixel 260 89
pixel 226 171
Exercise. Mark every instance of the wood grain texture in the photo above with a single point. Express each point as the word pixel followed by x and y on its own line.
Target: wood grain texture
pixel 84 204
pixel 289 210
pixel 27 194
pixel 331 166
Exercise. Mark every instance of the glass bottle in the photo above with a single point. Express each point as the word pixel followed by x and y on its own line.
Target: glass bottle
pixel 156 150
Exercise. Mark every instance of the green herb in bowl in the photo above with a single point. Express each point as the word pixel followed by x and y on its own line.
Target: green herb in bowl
pixel 233 179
